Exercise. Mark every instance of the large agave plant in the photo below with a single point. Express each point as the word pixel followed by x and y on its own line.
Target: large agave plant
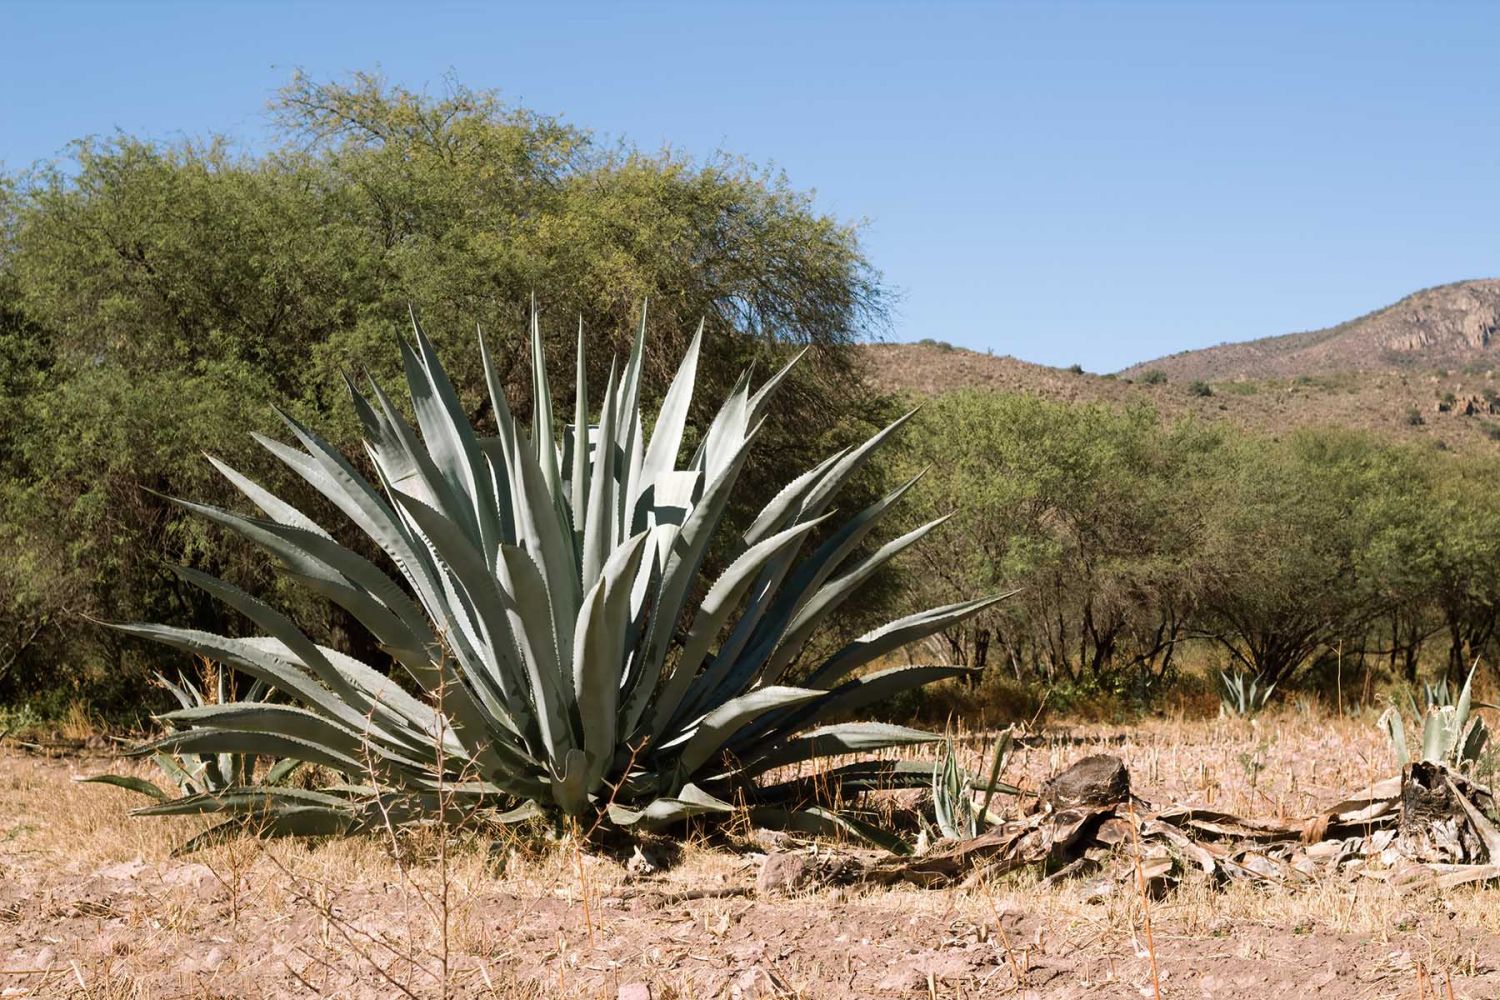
pixel 570 660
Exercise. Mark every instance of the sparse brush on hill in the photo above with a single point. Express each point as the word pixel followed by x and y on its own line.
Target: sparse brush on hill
pixel 572 662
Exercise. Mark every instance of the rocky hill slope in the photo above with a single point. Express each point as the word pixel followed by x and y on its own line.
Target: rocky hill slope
pixel 1422 370
pixel 1451 326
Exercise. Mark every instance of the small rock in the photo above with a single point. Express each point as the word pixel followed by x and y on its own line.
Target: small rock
pixel 1099 780
pixel 642 864
pixel 214 958
pixel 771 840
pixel 1098 890
pixel 782 873
pixel 124 871
pixel 634 991
pixel 194 875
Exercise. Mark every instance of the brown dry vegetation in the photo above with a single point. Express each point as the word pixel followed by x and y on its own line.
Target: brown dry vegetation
pixel 92 904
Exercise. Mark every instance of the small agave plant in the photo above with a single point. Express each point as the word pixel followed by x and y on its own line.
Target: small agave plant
pixel 1450 734
pixel 201 773
pixel 552 609
pixel 1242 695
pixel 958 818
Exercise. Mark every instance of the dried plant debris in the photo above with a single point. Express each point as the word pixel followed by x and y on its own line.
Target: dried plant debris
pixel 1428 824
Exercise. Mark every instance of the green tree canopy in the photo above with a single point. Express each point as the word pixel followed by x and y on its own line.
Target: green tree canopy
pixel 155 298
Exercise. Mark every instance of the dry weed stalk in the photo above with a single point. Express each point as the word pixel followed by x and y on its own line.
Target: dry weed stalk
pixel 1140 877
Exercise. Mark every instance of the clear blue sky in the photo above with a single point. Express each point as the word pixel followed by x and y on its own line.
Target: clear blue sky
pixel 1098 183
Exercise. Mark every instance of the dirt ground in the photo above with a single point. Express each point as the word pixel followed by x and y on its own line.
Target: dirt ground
pixel 93 905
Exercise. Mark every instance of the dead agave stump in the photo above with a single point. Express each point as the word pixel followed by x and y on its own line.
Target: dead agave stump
pixel 1441 819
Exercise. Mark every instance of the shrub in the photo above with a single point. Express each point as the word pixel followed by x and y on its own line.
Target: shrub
pixel 1201 389
pixel 1153 376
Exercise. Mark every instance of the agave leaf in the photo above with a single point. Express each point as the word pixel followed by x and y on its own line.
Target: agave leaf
pixel 718 726
pixel 1474 742
pixel 348 579
pixel 666 437
pixel 997 764
pixel 844 469
pixel 271 505
pixel 718 604
pixel 187 779
pixel 498 450
pixel 831 741
pixel 629 432
pixel 579 472
pixel 570 782
pixel 281 771
pixel 450 438
pixel 548 538
pixel 684 559
pixel 279 671
pixel 822 822
pixel 522 813
pixel 1439 734
pixel 293 821
pixel 304 549
pixel 856 778
pixel 328 472
pixel 598 647
pixel 1463 707
pixel 523 589
pixel 258 799
pixel 289 720
pixel 762 397
pixel 186 696
pixel 812 572
pixel 276 624
pixel 126 781
pixel 727 431
pixel 690 801
pixel 543 430
pixel 903 631
pixel 851 696
pixel 771 665
pixel 598 527
pixel 267 744
pixel 788 499
pixel 476 611
pixel 404 464
pixel 1395 731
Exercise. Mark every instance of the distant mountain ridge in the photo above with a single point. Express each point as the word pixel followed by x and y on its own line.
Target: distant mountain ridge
pixel 1449 326
pixel 1424 369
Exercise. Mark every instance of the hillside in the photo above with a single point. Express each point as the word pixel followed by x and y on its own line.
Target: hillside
pixel 1451 326
pixel 1449 409
pixel 1422 369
